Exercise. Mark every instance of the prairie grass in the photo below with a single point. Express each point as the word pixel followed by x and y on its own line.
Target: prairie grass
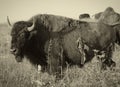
pixel 13 74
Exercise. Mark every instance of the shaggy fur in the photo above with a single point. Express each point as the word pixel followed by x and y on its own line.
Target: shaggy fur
pixel 53 41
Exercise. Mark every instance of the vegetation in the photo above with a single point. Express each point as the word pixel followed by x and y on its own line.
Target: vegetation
pixel 13 74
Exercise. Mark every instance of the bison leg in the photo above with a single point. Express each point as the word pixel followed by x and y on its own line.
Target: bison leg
pixel 108 62
pixel 100 55
pixel 55 58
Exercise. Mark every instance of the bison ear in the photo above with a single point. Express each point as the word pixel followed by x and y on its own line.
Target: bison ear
pixel 31 27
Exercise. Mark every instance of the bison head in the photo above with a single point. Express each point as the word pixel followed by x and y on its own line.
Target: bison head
pixel 21 33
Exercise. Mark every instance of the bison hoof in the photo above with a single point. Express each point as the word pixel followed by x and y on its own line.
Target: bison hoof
pixel 103 67
pixel 81 65
pixel 108 63
pixel 113 65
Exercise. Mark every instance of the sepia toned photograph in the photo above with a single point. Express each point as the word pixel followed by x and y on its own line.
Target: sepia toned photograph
pixel 59 43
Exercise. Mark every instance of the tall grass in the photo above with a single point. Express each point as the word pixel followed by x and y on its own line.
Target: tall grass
pixel 13 74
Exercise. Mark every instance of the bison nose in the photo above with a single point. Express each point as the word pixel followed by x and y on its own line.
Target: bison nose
pixel 13 50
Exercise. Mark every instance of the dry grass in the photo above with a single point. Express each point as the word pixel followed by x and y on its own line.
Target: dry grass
pixel 24 74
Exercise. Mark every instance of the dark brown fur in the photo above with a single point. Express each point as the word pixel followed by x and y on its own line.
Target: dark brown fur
pixel 53 41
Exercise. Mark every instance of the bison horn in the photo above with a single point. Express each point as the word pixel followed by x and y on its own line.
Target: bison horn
pixel 8 21
pixel 32 27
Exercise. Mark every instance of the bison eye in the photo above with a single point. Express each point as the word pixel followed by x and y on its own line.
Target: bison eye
pixel 22 35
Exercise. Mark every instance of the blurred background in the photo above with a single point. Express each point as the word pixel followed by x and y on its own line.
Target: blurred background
pixel 24 9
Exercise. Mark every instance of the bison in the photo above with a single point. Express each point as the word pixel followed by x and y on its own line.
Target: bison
pixel 110 17
pixel 51 41
pixel 85 15
pixel 31 38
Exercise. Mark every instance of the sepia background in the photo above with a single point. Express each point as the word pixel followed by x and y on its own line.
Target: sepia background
pixel 24 9
pixel 13 74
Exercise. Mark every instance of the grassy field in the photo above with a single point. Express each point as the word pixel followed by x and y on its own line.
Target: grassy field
pixel 24 74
